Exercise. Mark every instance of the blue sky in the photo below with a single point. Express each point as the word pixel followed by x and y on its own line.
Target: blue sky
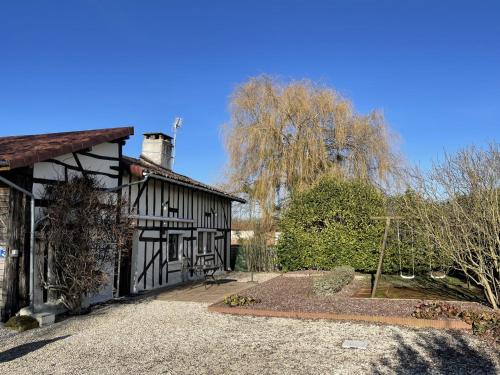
pixel 433 67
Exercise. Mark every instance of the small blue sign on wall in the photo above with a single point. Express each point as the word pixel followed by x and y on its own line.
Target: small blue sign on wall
pixel 3 252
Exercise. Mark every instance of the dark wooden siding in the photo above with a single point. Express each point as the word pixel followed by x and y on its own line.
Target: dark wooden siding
pixel 16 269
pixel 4 214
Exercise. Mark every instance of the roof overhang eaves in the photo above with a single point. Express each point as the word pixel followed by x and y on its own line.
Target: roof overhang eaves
pixel 197 187
pixel 30 158
pixel 155 172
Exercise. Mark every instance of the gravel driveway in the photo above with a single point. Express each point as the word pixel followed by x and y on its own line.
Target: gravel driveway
pixel 164 337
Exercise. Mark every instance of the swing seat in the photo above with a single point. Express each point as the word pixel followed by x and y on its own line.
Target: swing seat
pixel 406 277
pixel 439 275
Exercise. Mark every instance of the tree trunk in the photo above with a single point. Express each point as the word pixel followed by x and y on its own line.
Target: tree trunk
pixel 489 293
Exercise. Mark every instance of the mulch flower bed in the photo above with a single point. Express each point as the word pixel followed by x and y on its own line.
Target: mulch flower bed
pixel 296 294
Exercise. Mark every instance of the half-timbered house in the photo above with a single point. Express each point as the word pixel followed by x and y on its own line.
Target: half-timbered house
pixel 182 226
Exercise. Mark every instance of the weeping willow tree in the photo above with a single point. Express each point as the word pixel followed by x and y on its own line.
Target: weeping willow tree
pixel 285 136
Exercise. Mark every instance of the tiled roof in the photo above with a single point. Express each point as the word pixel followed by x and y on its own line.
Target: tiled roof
pixel 156 169
pixel 24 150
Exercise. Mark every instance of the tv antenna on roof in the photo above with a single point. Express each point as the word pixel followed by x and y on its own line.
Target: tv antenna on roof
pixel 176 125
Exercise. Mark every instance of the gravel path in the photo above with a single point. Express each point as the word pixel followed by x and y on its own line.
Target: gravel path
pixel 163 337
pixel 4 334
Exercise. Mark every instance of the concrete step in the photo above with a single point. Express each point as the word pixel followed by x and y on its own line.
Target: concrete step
pixel 45 319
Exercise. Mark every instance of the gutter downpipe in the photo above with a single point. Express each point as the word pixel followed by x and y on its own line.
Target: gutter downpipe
pixel 32 235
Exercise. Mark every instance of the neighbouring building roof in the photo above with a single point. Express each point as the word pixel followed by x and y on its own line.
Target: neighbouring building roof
pixel 176 177
pixel 24 150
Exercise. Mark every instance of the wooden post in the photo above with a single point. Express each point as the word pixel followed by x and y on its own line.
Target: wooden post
pixel 381 259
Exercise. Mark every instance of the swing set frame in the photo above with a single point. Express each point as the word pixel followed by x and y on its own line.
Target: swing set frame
pixel 383 246
pixel 382 249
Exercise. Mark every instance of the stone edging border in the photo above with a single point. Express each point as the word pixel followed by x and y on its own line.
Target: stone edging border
pixel 394 320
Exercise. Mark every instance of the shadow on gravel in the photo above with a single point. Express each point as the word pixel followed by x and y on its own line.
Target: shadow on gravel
pixel 22 350
pixel 450 354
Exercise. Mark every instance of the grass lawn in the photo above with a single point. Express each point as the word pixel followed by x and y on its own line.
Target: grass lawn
pixel 422 287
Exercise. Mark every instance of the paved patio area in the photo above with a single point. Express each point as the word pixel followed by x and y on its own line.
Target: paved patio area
pixel 210 293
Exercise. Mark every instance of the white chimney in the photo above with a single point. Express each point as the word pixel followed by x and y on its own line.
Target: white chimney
pixel 157 148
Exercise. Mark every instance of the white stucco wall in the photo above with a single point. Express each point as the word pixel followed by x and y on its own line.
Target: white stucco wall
pixel 53 171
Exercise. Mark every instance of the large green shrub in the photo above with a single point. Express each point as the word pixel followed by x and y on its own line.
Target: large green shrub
pixel 332 225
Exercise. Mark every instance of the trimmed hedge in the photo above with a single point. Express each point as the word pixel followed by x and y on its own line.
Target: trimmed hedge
pixel 330 225
pixel 334 281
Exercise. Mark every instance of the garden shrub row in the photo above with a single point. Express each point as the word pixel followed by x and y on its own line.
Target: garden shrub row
pixel 333 281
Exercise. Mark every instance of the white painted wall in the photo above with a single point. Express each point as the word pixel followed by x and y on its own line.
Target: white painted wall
pixel 55 172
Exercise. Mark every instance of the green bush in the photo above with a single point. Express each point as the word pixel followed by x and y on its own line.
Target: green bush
pixel 331 225
pixel 334 281
pixel 237 300
pixel 22 323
